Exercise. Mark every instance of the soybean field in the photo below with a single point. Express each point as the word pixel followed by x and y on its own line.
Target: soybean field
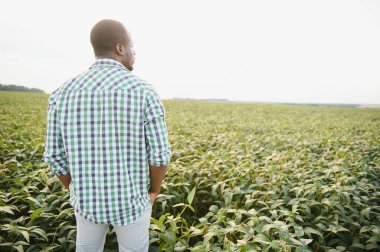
pixel 243 177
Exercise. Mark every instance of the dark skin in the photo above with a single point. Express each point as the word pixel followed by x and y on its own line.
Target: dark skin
pixel 65 180
pixel 124 53
pixel 157 174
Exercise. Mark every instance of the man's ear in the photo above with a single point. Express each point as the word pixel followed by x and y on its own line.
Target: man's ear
pixel 120 49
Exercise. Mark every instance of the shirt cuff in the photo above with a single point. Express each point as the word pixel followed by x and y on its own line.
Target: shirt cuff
pixel 60 171
pixel 160 159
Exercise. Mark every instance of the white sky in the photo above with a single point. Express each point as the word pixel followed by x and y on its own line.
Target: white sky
pixel 274 51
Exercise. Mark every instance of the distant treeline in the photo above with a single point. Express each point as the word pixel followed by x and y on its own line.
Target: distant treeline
pixel 191 99
pixel 19 88
pixel 324 104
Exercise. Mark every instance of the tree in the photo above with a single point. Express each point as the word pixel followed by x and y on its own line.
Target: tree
pixel 19 88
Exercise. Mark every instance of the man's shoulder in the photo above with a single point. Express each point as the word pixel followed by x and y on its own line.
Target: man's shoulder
pixel 136 83
pixel 124 80
pixel 56 93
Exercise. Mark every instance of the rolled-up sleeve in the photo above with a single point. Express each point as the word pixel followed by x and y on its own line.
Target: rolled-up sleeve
pixel 54 154
pixel 156 134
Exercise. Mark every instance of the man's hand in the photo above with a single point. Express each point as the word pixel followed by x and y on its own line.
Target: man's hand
pixel 153 196
pixel 65 180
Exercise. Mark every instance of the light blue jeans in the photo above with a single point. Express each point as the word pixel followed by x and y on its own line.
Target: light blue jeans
pixel 133 237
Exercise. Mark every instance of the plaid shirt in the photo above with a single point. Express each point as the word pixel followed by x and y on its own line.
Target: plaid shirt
pixel 105 127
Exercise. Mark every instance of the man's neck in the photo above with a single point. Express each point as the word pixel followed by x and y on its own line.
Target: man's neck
pixel 107 56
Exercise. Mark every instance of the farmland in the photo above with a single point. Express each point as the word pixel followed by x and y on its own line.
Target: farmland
pixel 243 177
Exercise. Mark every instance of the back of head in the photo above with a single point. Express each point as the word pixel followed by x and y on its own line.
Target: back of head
pixel 106 34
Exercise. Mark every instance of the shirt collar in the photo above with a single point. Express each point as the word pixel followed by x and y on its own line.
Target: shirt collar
pixel 107 62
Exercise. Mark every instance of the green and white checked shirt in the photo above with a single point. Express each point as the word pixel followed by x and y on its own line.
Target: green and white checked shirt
pixel 105 127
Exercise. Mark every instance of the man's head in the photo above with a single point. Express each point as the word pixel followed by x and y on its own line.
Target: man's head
pixel 110 39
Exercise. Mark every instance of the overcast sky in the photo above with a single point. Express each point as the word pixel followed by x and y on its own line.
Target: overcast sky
pixel 273 51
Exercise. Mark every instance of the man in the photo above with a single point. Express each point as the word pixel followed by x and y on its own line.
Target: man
pixel 107 142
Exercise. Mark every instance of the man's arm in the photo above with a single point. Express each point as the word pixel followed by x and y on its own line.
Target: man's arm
pixel 157 174
pixel 158 147
pixel 54 154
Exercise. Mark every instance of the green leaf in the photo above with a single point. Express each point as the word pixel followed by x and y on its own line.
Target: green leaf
pixel 191 208
pixel 275 244
pixel 284 233
pixel 310 231
pixel 301 249
pixel 306 241
pixel 21 243
pixel 357 245
pixel 296 242
pixel 365 212
pixel 190 197
pixel 40 232
pixel 373 239
pixel 179 205
pixel 372 246
pixel 267 227
pixel 214 208
pixel 6 244
pixel 365 229
pixel 260 238
pixel 321 226
pixel 25 234
pixel 333 229
pixel 19 248
pixel 298 231
pixel 36 213
pixel 8 209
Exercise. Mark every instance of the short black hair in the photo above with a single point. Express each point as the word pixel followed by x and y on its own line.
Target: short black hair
pixel 106 34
